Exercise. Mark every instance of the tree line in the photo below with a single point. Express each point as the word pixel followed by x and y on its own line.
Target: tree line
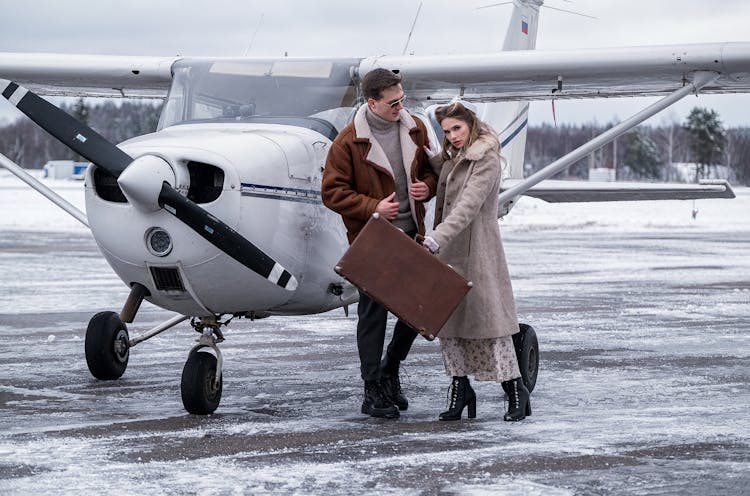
pixel 30 146
pixel 645 153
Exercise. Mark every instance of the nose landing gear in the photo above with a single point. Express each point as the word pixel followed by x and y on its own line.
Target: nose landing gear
pixel 201 383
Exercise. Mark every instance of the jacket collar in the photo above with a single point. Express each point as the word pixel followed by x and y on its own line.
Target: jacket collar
pixel 375 153
pixel 362 128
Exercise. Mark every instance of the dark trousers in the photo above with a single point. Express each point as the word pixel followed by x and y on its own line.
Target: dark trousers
pixel 371 337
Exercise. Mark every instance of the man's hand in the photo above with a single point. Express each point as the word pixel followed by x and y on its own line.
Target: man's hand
pixel 387 207
pixel 419 191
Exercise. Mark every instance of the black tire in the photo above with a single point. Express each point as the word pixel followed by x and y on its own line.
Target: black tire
pixel 199 395
pixel 527 353
pixel 107 346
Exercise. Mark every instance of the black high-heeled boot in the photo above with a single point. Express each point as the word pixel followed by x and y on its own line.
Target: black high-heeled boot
pixel 461 394
pixel 519 404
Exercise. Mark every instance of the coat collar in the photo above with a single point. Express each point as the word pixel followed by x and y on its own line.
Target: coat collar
pixel 362 128
pixel 375 153
pixel 486 142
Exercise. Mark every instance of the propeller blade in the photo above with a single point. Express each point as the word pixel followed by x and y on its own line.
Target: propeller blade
pixel 77 136
pixel 225 238
pixel 95 148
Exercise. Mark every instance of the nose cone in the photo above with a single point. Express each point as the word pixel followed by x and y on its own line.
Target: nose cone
pixel 142 180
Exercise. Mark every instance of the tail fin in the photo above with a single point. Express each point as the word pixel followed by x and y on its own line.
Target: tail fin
pixel 509 119
pixel 521 34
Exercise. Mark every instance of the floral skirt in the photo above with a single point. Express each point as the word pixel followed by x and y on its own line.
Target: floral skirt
pixel 492 359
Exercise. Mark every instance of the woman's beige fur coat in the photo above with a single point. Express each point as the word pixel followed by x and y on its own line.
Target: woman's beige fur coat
pixel 469 237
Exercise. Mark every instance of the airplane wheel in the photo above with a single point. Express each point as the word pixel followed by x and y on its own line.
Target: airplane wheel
pixel 107 346
pixel 527 352
pixel 199 394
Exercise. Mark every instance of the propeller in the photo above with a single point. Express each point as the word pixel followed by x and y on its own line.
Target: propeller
pixel 89 144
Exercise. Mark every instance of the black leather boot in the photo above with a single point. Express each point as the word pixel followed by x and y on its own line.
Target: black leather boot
pixel 391 383
pixel 519 404
pixel 376 403
pixel 460 395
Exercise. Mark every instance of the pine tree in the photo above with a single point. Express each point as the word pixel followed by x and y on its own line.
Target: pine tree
pixel 641 154
pixel 706 139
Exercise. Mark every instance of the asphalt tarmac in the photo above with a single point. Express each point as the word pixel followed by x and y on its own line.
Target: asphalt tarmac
pixel 643 384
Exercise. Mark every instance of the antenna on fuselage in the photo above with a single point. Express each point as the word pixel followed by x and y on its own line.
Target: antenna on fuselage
pixel 252 39
pixel 570 12
pixel 541 4
pixel 408 39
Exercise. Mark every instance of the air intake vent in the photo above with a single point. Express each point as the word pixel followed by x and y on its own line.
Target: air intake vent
pixel 206 182
pixel 167 279
pixel 107 187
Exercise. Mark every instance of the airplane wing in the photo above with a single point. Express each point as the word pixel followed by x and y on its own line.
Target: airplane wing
pixel 497 76
pixel 583 73
pixel 89 75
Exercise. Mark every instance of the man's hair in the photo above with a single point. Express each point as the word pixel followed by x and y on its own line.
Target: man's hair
pixel 377 80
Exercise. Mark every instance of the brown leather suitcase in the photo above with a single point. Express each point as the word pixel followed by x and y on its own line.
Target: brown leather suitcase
pixel 394 270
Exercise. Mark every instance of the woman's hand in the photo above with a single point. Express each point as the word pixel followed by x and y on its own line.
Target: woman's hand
pixel 430 245
pixel 419 191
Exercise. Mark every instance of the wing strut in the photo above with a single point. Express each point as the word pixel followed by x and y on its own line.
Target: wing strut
pixel 507 198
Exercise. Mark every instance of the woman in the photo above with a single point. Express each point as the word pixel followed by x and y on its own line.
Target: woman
pixel 476 340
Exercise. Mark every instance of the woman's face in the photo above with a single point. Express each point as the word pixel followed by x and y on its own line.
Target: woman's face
pixel 456 130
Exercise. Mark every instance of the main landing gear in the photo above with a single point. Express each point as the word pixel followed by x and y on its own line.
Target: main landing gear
pixel 527 352
pixel 108 349
pixel 107 346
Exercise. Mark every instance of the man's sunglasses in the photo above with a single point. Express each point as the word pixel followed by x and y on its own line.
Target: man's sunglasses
pixel 396 103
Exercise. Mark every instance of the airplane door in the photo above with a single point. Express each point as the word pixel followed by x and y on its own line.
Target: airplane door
pixel 300 158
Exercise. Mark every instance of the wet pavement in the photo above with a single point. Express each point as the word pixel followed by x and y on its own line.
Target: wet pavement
pixel 642 389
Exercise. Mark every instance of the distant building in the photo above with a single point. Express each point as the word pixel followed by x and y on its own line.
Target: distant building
pixel 64 169
pixel 684 172
pixel 602 174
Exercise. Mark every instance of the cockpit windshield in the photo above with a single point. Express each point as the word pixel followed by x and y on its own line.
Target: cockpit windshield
pixel 316 93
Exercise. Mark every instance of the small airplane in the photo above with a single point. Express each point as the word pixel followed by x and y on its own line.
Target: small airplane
pixel 218 214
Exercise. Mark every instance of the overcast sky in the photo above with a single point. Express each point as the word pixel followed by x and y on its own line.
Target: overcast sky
pixel 350 28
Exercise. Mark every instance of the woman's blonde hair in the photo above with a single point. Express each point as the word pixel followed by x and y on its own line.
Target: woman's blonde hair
pixel 457 110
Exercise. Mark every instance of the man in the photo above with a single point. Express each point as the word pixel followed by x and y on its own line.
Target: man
pixel 378 164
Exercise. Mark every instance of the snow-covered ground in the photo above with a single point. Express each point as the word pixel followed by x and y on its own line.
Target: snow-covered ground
pixel 642 314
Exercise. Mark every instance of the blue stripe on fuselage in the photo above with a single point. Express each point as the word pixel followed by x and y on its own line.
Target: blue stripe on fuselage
pixel 514 133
